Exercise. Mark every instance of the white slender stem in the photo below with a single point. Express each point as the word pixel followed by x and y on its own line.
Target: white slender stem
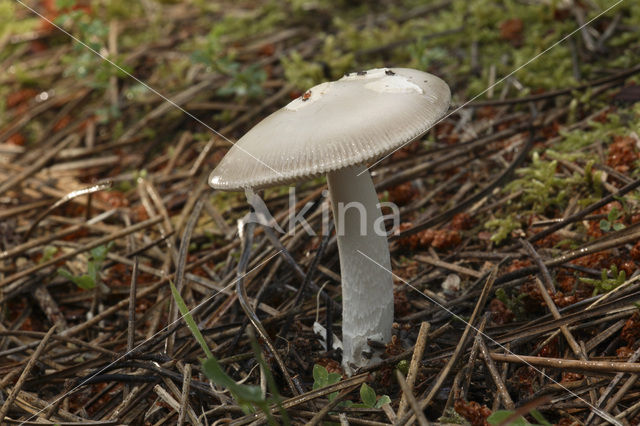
pixel 367 288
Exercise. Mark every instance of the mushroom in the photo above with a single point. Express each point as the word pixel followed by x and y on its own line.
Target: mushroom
pixel 335 128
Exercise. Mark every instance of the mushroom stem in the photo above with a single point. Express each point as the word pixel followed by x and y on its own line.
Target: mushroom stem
pixel 367 288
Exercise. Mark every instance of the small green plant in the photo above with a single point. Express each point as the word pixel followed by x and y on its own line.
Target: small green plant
pixel 93 32
pixel 48 253
pixel 606 284
pixel 87 281
pixel 541 187
pixel 247 396
pixel 370 399
pixel 499 416
pixel 212 48
pixel 611 222
pixel 244 82
pixel 322 378
pixel 424 56
pixel 451 416
pixel 503 228
pixel 513 303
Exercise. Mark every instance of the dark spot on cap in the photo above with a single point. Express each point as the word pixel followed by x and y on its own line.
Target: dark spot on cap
pixel 306 95
pixel 361 73
pixel 389 72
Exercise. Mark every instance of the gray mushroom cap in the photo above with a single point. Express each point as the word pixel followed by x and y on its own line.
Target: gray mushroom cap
pixel 334 125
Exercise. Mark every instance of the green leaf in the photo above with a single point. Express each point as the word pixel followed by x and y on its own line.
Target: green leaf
pixel 66 274
pixel 333 378
pixel 320 376
pixel 271 383
pixel 84 281
pixel 605 225
pixel 540 418
pixel 384 399
pixel 99 254
pixel 193 327
pixel 368 395
pixel 501 415
pixel 243 393
pixel 48 253
pixel 618 226
pixel 92 270
pixel 65 4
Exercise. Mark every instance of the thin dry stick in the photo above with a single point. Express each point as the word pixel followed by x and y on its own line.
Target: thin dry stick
pixel 246 306
pixel 570 364
pixel 121 409
pixel 131 335
pixel 180 268
pixel 113 309
pixel 68 197
pixel 624 389
pixel 493 371
pixel 287 404
pixel 548 301
pixel 112 91
pixel 469 201
pixel 388 411
pixel 37 165
pixel 184 400
pixel 612 385
pixel 418 351
pixel 39 241
pixel 23 377
pixel 472 359
pixel 8 378
pixel 454 393
pixel 336 418
pixel 407 394
pixel 39 334
pixel 131 325
pixel 614 239
pixel 325 410
pixel 546 276
pixel 184 139
pixel 166 397
pixel 450 266
pixel 95 243
pixel 625 413
pixel 459 348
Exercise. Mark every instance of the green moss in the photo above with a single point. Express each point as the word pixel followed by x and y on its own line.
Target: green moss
pixel 544 191
pixel 502 228
pixel 477 22
pixel 10 25
pixel 541 187
pixel 301 73
pixel 605 284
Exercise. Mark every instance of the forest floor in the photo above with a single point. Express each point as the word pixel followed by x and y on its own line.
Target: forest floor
pixel 515 263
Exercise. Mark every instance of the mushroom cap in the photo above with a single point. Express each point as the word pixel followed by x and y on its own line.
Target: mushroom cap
pixel 337 124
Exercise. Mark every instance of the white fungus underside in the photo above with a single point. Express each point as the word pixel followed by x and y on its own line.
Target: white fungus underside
pixel 343 123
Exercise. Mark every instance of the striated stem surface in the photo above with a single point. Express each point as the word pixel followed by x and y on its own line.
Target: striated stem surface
pixel 367 288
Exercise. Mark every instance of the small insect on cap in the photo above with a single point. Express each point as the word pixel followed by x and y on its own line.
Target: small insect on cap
pixel 333 125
